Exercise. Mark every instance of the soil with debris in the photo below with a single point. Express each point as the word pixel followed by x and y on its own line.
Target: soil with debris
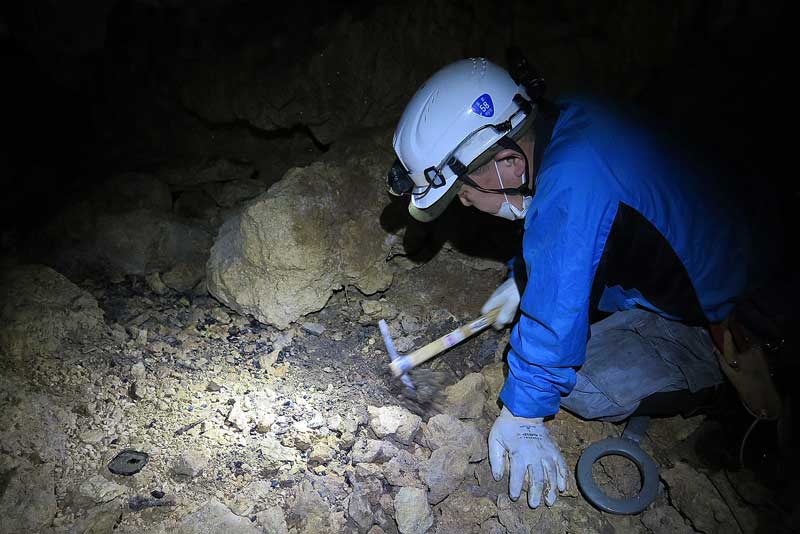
pixel 251 429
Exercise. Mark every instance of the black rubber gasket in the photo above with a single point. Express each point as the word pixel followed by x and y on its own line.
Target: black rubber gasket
pixel 617 447
pixel 128 462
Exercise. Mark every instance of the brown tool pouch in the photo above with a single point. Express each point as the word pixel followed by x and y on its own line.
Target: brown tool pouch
pixel 743 359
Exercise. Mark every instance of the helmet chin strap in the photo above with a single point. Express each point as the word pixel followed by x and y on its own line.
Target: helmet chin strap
pixel 523 190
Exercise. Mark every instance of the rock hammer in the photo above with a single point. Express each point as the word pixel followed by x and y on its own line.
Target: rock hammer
pixel 401 365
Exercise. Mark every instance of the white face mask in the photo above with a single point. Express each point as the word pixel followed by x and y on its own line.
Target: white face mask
pixel 507 209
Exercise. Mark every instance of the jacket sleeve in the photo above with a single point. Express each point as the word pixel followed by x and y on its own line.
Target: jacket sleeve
pixel 563 241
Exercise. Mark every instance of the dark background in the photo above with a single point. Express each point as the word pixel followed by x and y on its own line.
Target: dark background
pixel 97 87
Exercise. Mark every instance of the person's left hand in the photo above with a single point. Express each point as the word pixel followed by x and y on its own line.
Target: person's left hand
pixel 530 449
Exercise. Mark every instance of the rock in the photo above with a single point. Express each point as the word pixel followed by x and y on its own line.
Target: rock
pixel 190 464
pixel 274 452
pixel 196 205
pixel 444 472
pixel 462 512
pixel 184 276
pixel 321 453
pixel 412 511
pixel 672 429
pixel 346 441
pixel 316 421
pixel 229 194
pixel 213 517
pixel 372 308
pixel 665 520
pixel 733 492
pixel 251 499
pixel 27 498
pixel 357 417
pixel 101 518
pixel 334 423
pixel 409 323
pixel 131 191
pixel 41 311
pixel 237 418
pixel 34 422
pixel 492 526
pixel 444 429
pixel 518 518
pixel 465 398
pixel 323 100
pixel 188 173
pixel 494 375
pixel 264 422
pixel 359 508
pixel 98 490
pixel 272 520
pixel 315 329
pixel 311 233
pixel 709 514
pixel 402 470
pixel 404 344
pixel 372 451
pixel 135 242
pixel 92 437
pixel 394 422
pixel 387 503
pixel 309 513
pixel 220 315
pixel 138 371
pixel 156 285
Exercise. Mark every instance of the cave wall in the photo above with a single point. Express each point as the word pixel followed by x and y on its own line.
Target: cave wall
pixel 107 86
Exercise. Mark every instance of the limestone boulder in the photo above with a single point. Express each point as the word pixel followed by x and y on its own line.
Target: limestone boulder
pixel 41 310
pixel 310 234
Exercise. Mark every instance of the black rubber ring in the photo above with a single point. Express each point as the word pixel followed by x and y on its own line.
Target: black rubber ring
pixel 630 450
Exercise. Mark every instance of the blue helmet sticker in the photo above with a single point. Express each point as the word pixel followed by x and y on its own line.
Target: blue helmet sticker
pixel 483 105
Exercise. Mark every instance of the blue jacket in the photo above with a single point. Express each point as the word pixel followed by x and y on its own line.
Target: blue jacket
pixel 616 222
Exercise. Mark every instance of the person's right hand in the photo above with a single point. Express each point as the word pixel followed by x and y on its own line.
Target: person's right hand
pixel 507 297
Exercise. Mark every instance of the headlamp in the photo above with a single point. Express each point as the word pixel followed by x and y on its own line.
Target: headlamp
pixel 398 180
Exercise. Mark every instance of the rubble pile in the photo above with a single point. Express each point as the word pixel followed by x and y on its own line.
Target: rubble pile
pixel 246 428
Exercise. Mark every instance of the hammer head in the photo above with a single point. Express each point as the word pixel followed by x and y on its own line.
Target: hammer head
pixel 387 340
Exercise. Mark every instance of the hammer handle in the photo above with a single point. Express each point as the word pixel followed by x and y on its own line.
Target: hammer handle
pixel 405 363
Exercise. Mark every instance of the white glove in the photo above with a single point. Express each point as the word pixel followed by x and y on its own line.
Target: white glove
pixel 507 296
pixel 530 448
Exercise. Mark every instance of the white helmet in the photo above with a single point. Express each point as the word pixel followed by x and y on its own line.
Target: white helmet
pixel 457 115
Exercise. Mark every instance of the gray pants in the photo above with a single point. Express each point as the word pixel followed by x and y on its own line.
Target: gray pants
pixel 635 353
